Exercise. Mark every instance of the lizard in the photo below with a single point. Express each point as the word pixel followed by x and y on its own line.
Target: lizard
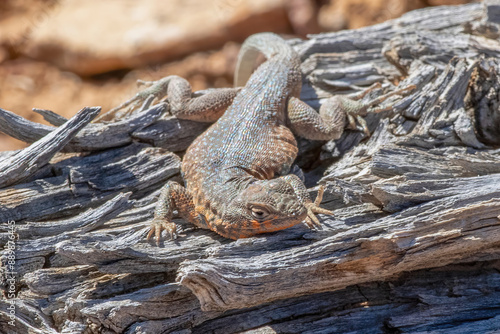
pixel 237 173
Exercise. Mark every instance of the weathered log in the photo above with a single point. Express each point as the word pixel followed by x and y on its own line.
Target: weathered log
pixel 26 162
pixel 94 137
pixel 78 183
pixel 413 246
pixel 436 233
pixel 51 117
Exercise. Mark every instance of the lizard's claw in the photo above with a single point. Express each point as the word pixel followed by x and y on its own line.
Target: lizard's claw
pixel 313 208
pixel 353 118
pixel 158 225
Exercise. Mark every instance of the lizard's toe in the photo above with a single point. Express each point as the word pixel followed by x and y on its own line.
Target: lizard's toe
pixel 357 122
pixel 157 226
pixel 312 221
pixel 313 208
pixel 317 209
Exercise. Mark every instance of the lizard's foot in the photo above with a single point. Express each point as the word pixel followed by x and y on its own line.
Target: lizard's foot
pixel 158 225
pixel 155 90
pixel 313 208
pixel 356 110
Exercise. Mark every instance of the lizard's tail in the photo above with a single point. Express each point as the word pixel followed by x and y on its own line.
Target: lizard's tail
pixel 267 43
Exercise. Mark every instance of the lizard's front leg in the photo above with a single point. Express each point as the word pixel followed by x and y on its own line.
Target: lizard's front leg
pixel 172 197
pixel 312 207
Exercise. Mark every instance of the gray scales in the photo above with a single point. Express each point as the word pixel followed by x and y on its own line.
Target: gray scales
pixel 237 173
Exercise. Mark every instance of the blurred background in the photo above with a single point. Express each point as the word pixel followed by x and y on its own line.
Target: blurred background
pixel 63 55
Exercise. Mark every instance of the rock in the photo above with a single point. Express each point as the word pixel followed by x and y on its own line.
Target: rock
pixel 447 2
pixel 91 37
pixel 352 14
pixel 303 16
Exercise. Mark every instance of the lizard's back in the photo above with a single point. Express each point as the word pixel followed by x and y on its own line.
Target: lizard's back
pixel 250 141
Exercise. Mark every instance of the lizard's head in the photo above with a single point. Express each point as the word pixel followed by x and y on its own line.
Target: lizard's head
pixel 265 206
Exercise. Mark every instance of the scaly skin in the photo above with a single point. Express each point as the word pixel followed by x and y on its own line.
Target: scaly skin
pixel 236 172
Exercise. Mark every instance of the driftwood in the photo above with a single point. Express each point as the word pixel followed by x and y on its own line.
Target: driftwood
pixel 414 245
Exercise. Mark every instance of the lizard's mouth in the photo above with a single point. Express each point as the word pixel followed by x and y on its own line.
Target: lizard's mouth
pixel 276 223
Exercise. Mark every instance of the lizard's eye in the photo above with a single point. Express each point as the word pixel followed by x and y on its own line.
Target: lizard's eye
pixel 259 213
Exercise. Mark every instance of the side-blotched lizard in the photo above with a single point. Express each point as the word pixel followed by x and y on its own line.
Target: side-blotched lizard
pixel 237 173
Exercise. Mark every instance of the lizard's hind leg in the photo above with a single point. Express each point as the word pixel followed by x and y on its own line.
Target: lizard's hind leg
pixel 334 114
pixel 328 124
pixel 205 108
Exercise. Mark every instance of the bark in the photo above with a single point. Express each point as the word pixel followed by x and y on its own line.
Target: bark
pixel 414 245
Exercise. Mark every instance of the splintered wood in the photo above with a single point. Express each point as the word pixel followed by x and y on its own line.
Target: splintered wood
pixel 414 245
